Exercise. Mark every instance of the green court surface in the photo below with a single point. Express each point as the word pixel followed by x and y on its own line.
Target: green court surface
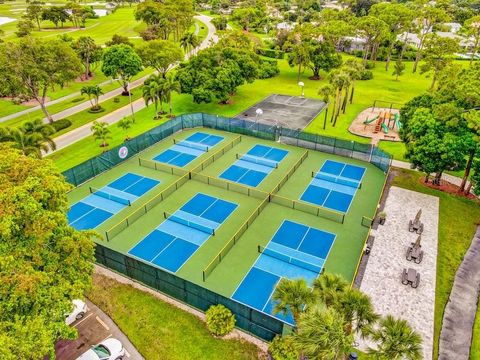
pixel 182 186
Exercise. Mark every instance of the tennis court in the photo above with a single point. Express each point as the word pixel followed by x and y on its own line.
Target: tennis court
pixel 251 168
pixel 177 238
pixel 105 202
pixel 185 151
pixel 334 186
pixel 295 251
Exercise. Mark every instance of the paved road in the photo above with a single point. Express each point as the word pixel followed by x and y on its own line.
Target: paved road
pixel 113 117
pixel 92 329
pixel 117 92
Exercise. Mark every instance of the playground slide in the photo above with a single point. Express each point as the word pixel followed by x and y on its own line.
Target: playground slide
pixel 398 124
pixel 371 120
pixel 385 128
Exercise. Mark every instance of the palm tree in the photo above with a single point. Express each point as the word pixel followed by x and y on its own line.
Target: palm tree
pixel 292 296
pixel 329 287
pixel 189 41
pixel 321 335
pixel 170 85
pixel 340 80
pixel 396 340
pixel 125 124
pixel 326 91
pixel 32 138
pixel 93 92
pixel 153 92
pixel 357 309
pixel 354 69
pixel 101 132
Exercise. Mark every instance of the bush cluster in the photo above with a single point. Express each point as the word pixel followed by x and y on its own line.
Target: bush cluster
pixel 220 320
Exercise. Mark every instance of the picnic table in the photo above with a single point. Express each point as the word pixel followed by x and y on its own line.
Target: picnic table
pixel 411 277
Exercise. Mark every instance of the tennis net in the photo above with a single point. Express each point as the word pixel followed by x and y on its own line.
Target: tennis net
pixel 180 220
pixel 191 144
pixel 258 160
pixel 289 259
pixel 109 196
pixel 337 179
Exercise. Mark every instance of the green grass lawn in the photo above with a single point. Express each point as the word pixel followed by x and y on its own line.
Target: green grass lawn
pixel 458 220
pixel 475 349
pixel 162 331
pixel 382 87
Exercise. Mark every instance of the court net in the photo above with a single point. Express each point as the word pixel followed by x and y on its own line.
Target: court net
pixel 337 179
pixel 257 160
pixel 180 220
pixel 191 144
pixel 290 259
pixel 109 196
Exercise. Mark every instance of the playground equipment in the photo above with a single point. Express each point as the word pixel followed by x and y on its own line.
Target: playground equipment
pixel 384 122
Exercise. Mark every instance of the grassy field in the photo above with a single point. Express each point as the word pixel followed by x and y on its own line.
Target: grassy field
pixel 162 331
pixel 345 252
pixel 383 86
pixel 458 220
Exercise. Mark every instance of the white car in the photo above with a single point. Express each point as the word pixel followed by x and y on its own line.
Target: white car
pixel 109 349
pixel 79 310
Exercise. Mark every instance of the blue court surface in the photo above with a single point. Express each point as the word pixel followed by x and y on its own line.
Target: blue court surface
pixel 251 168
pixel 105 202
pixel 185 151
pixel 295 251
pixel 334 185
pixel 172 243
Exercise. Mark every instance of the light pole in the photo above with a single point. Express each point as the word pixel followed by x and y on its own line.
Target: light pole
pixel 302 85
pixel 258 112
pixel 130 99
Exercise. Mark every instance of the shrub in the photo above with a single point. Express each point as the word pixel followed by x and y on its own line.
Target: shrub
pixel 271 53
pixel 61 124
pixel 268 69
pixel 369 65
pixel 116 99
pixel 78 99
pixel 282 348
pixel 220 320
pixel 366 75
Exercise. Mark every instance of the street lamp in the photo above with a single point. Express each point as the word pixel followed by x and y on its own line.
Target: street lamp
pixel 258 112
pixel 130 99
pixel 302 85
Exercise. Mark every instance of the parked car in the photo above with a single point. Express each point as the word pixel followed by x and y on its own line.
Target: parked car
pixel 79 311
pixel 109 349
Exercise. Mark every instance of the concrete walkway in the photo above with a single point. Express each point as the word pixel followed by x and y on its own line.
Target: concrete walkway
pixel 459 315
pixel 383 273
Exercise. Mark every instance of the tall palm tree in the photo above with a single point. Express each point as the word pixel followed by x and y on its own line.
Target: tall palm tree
pixel 326 92
pixel 153 92
pixel 292 296
pixel 170 84
pixel 93 92
pixel 329 287
pixel 354 68
pixel 125 124
pixel 321 335
pixel 189 41
pixel 396 340
pixel 357 310
pixel 101 132
pixel 32 138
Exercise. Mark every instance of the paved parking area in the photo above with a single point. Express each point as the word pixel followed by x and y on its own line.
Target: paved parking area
pixel 92 329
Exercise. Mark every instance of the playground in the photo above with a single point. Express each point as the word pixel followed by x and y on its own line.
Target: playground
pixel 377 123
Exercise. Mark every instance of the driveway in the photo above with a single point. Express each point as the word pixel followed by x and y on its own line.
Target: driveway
pixel 92 329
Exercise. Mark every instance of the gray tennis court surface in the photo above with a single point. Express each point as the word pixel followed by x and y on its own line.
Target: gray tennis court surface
pixel 293 112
